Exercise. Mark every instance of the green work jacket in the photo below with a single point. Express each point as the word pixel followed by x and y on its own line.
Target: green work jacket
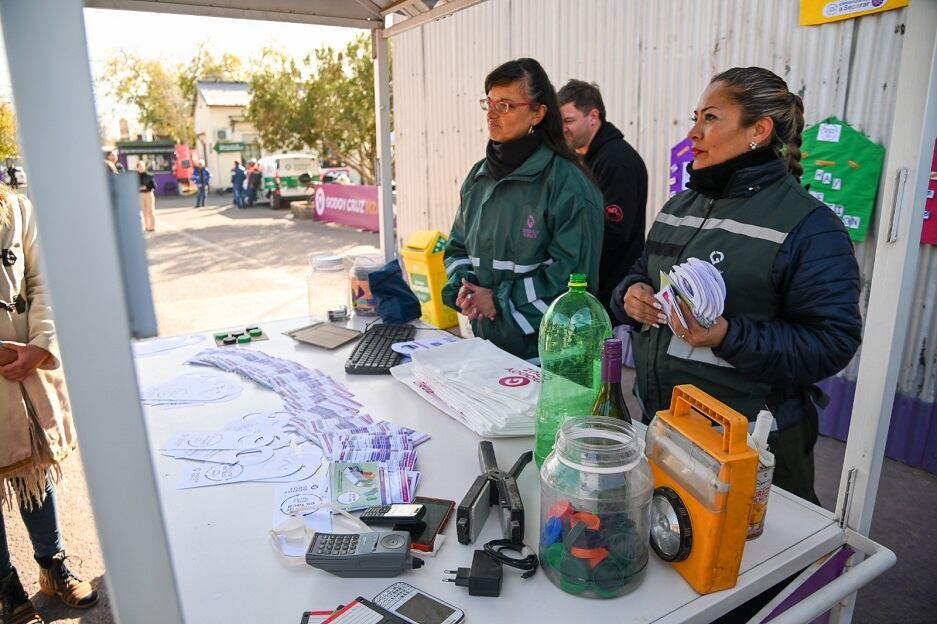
pixel 522 237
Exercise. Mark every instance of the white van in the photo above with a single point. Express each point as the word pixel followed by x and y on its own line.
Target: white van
pixel 288 177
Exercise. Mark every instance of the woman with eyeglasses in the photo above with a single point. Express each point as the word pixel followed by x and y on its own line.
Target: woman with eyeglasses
pixel 529 214
pixel 791 313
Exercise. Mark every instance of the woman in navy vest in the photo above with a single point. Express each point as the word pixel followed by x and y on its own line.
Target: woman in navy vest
pixel 791 314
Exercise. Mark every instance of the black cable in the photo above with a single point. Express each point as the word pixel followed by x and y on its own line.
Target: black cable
pixel 528 564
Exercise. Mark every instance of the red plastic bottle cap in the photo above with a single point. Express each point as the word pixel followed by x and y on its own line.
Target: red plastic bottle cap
pixel 562 510
pixel 590 520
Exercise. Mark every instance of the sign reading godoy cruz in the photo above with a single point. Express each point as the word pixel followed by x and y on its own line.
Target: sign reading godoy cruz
pixel 348 205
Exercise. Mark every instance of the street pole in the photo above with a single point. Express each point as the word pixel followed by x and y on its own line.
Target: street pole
pixel 382 127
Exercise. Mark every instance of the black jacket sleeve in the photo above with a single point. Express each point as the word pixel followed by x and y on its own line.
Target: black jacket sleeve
pixel 818 328
pixel 637 274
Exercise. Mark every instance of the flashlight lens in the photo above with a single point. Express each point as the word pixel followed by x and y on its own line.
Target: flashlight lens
pixel 671 532
pixel 665 528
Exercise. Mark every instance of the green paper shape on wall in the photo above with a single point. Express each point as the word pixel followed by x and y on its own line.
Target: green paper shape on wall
pixel 842 168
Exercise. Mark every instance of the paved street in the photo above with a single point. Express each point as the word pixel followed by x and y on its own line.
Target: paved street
pixel 218 267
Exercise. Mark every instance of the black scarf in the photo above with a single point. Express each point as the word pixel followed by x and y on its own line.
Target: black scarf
pixel 712 181
pixel 504 158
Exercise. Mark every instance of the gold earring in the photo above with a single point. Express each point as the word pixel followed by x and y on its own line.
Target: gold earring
pixel 752 146
pixel 530 130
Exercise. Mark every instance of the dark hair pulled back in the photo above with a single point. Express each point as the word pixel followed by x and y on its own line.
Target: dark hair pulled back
pixel 762 93
pixel 538 88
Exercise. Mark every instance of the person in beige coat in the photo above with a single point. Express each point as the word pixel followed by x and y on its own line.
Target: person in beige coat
pixel 36 430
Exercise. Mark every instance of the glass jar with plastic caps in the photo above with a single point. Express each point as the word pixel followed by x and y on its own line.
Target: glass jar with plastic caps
pixel 363 302
pixel 595 504
pixel 326 284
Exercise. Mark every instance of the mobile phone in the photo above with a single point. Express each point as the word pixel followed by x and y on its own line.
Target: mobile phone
pixel 417 607
pixel 393 514
pixel 434 520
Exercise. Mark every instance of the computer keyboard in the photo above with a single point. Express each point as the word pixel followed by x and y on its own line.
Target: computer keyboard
pixel 373 355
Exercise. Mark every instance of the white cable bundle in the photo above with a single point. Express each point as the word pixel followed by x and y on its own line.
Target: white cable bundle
pixel 490 391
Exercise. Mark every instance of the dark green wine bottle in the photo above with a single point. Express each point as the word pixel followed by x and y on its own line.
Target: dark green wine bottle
pixel 609 402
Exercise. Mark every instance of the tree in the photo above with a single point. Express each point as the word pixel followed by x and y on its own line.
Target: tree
pixel 326 103
pixel 276 88
pixel 164 96
pixel 9 149
pixel 204 66
pixel 153 89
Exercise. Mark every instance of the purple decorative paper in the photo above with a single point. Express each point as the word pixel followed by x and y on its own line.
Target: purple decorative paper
pixel 680 156
pixel 826 574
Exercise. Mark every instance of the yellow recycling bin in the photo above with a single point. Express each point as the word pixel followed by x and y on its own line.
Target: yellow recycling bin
pixel 422 256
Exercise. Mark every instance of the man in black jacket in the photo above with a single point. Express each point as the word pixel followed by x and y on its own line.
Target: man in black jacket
pixel 620 173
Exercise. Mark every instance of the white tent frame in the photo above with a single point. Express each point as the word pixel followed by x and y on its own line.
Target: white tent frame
pixel 47 38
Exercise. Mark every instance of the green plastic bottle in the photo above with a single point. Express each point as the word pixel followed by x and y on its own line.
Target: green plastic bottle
pixel 570 346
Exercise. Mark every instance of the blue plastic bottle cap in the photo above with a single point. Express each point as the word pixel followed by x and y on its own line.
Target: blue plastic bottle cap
pixel 552 531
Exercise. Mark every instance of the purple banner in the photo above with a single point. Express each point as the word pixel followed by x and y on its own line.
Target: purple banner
pixel 681 155
pixel 348 205
pixel 912 434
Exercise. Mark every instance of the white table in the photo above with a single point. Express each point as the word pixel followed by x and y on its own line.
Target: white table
pixel 227 572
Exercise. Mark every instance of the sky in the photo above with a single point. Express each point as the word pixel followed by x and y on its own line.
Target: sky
pixel 175 37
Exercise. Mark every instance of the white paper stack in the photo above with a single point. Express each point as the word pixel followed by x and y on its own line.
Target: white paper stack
pixel 253 448
pixel 191 389
pixel 701 287
pixel 490 391
pixel 321 410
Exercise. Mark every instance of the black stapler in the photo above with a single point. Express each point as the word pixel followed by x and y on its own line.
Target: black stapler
pixel 493 488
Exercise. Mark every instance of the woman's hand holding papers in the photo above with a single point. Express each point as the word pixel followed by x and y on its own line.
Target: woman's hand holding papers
pixel 640 304
pixel 696 335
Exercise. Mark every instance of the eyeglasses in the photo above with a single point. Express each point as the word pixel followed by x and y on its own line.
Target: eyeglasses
pixel 503 106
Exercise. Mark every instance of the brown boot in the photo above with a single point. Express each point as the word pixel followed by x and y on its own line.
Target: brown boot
pixel 58 580
pixel 15 607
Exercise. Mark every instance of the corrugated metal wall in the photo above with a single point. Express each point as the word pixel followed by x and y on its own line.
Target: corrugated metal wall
pixel 652 59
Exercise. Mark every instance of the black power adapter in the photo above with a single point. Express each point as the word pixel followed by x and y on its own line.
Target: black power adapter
pixel 482 579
